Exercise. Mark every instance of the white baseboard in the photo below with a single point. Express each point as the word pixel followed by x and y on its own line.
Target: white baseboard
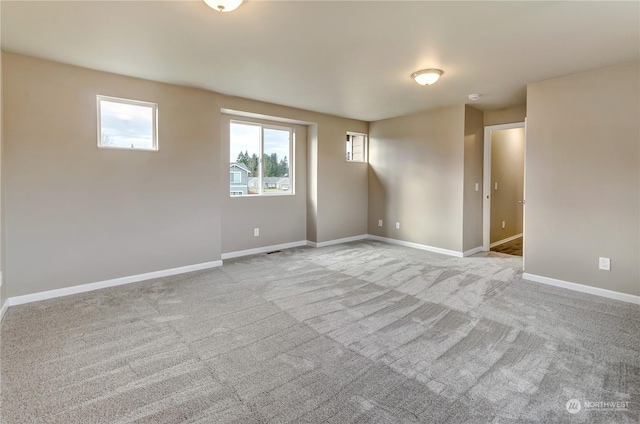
pixel 503 241
pixel 583 288
pixel 338 241
pixel 3 309
pixel 50 294
pixel 417 246
pixel 264 249
pixel 473 251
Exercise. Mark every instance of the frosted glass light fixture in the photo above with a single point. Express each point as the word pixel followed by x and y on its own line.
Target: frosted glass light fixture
pixel 224 5
pixel 427 76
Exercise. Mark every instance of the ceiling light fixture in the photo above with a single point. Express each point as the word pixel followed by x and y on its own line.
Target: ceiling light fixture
pixel 474 97
pixel 427 76
pixel 224 5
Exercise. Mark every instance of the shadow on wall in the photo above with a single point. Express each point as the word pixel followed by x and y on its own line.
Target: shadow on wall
pixel 377 202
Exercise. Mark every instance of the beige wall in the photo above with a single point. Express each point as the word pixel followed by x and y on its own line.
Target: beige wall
pixel 75 214
pixel 583 178
pixel 342 186
pixel 473 168
pixel 507 115
pixel 312 183
pixel 416 177
pixel 3 289
pixel 507 169
pixel 78 214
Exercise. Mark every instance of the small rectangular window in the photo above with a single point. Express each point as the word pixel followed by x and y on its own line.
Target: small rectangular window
pixel 356 147
pixel 260 159
pixel 127 124
pixel 236 177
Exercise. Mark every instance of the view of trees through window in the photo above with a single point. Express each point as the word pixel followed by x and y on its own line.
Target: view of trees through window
pixel 270 175
pixel 274 167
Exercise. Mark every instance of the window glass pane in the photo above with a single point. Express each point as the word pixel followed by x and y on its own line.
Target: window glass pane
pixel 126 125
pixel 244 162
pixel 358 148
pixel 276 161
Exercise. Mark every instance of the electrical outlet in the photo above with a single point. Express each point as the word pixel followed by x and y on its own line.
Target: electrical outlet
pixel 397 225
pixel 379 223
pixel 605 264
pixel 256 232
pixel 503 224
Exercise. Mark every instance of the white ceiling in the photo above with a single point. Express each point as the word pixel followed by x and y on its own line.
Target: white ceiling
pixel 351 59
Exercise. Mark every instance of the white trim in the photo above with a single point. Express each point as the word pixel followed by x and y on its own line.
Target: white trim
pixel 338 241
pixel 264 249
pixel 624 297
pixel 243 114
pixel 3 309
pixel 417 246
pixel 50 294
pixel 486 178
pixel 473 251
pixel 524 193
pixel 503 241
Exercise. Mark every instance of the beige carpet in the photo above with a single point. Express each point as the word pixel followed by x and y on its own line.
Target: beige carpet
pixel 356 333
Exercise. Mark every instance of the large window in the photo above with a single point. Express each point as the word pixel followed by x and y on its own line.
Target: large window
pixel 260 159
pixel 356 147
pixel 127 124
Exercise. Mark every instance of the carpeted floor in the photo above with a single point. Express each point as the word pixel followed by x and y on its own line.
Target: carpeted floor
pixel 355 333
pixel 513 247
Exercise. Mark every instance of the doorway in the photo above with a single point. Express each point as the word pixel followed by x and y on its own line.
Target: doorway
pixel 503 191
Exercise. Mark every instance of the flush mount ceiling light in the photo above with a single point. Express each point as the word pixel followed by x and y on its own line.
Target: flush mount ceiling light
pixel 427 76
pixel 224 5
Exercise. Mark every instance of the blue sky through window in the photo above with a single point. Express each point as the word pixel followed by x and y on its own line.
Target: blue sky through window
pixel 126 125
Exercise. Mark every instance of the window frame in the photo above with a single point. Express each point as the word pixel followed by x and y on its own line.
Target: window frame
pixel 365 147
pixel 154 123
pixel 290 157
pixel 234 173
